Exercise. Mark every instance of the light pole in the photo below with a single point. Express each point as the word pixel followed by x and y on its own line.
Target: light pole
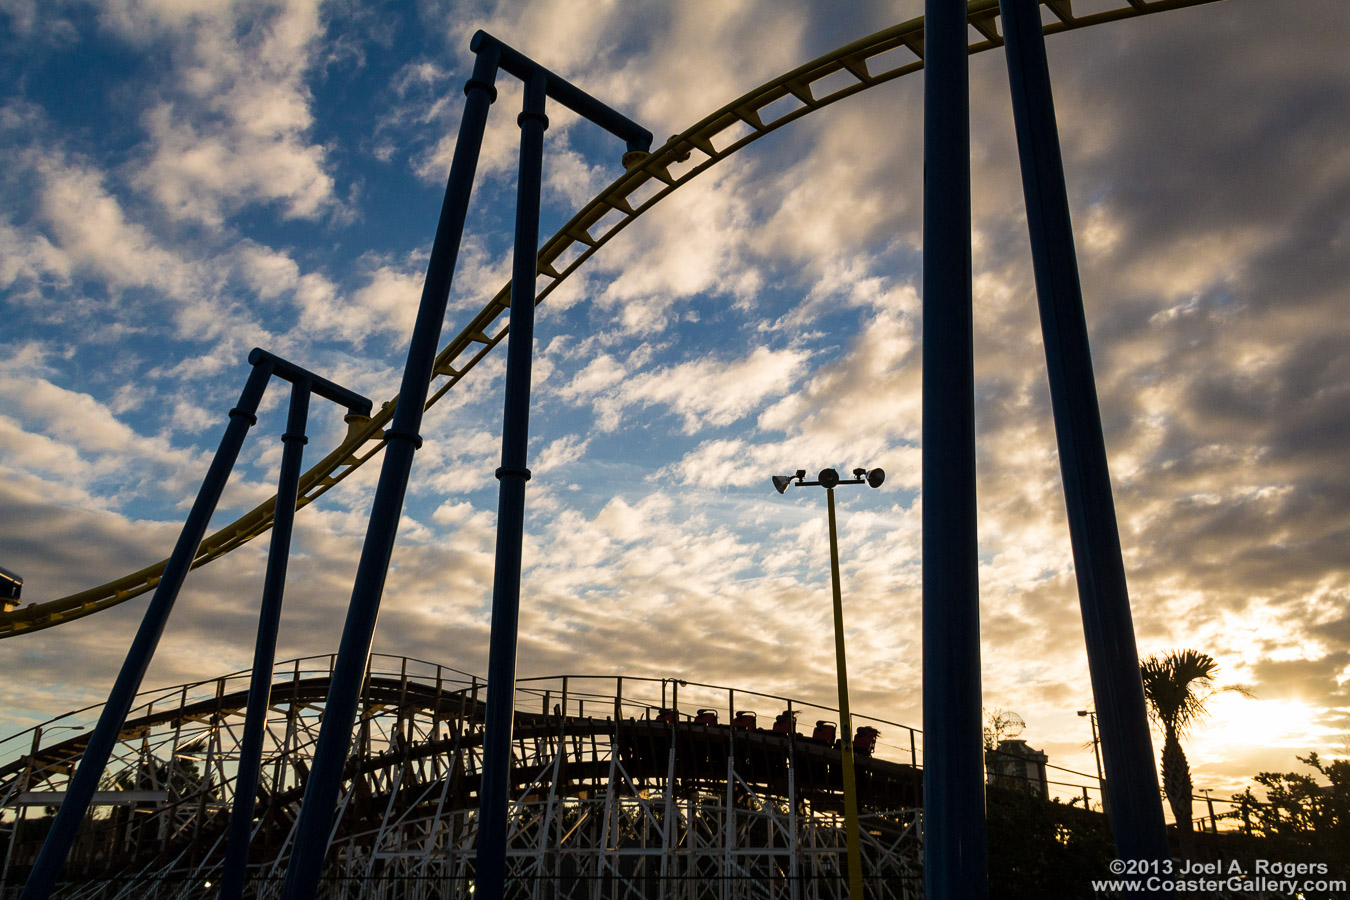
pixel 1097 755
pixel 829 479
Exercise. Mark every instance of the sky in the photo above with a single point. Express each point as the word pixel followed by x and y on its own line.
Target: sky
pixel 183 181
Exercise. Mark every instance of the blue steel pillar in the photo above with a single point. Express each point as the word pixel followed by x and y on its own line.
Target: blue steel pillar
pixel 269 615
pixel 334 741
pixel 494 795
pixel 104 736
pixel 494 792
pixel 955 859
pixel 1113 659
pixel 269 619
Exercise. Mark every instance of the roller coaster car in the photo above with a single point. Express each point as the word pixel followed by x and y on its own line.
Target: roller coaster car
pixel 666 715
pixel 706 717
pixel 825 732
pixel 11 585
pixel 786 723
pixel 865 741
pixel 744 719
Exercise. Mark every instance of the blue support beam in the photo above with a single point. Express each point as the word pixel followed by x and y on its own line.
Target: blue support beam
pixel 303 383
pixel 513 62
pixel 102 740
pixel 1113 659
pixel 265 645
pixel 335 734
pixel 334 739
pixel 955 856
pixel 318 385
pixel 494 795
pixel 540 85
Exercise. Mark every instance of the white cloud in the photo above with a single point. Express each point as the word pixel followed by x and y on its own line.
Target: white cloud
pixel 560 453
pixel 205 173
pixel 694 242
pixel 234 127
pixel 29 256
pixel 268 272
pixel 93 234
pixel 705 392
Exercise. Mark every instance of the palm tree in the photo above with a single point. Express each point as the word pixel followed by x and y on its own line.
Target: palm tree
pixel 1177 685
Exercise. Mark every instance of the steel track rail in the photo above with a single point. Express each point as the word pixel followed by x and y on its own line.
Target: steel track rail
pixel 879 58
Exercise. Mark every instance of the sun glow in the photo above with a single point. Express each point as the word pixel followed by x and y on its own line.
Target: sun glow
pixel 1238 726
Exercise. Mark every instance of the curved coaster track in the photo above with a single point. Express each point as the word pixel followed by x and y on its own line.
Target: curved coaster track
pixel 882 57
pixel 618 787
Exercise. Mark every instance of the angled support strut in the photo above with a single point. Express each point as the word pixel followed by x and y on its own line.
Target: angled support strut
pixel 334 741
pixel 103 739
pixel 335 734
pixel 1113 658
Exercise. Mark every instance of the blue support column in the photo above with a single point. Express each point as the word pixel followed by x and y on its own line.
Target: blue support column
pixel 264 652
pixel 303 384
pixel 104 736
pixel 955 859
pixel 1113 659
pixel 494 795
pixel 334 741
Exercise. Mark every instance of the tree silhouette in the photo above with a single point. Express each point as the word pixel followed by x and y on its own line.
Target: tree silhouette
pixel 1298 814
pixel 1177 685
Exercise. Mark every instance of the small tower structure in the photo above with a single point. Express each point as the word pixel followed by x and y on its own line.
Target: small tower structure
pixel 1014 764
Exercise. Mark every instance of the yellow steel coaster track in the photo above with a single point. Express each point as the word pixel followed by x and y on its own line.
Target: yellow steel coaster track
pixel 865 63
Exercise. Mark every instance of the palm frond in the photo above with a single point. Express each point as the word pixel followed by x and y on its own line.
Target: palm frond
pixel 1177 684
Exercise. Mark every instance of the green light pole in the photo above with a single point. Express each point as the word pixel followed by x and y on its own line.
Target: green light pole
pixel 829 479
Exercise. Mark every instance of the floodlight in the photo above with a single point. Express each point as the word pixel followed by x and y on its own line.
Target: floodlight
pixel 875 478
pixel 828 478
pixel 781 482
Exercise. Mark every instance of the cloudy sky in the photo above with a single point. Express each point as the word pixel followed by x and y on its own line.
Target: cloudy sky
pixel 183 181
